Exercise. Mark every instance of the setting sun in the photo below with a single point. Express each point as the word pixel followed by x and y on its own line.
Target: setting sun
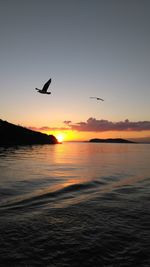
pixel 60 137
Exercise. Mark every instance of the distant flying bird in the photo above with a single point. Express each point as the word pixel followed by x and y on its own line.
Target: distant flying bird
pixel 97 98
pixel 45 88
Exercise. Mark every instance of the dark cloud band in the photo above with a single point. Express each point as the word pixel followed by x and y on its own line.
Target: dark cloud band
pixel 94 125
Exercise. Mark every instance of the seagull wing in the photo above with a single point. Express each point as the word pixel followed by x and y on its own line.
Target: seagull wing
pixel 100 99
pixel 46 85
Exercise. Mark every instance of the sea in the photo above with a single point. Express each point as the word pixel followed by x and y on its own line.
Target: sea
pixel 75 204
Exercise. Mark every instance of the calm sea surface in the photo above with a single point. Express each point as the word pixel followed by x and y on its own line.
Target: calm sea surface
pixel 75 204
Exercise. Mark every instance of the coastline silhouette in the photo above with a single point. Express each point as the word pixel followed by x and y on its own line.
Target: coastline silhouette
pixel 12 135
pixel 110 140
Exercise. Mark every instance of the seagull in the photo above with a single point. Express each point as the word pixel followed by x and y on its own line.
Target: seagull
pixel 45 88
pixel 97 98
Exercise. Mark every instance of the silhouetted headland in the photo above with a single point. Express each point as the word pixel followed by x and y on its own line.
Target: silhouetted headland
pixel 110 140
pixel 11 135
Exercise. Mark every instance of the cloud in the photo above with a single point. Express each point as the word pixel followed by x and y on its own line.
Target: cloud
pixel 67 122
pixel 94 125
pixel 46 128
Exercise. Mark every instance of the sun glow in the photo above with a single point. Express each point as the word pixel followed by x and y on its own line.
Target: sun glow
pixel 60 137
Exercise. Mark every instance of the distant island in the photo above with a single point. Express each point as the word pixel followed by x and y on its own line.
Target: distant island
pixel 12 135
pixel 110 140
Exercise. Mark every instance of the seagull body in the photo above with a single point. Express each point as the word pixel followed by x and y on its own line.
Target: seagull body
pixel 97 98
pixel 45 88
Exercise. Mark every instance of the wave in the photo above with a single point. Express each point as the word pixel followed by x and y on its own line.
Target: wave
pixel 72 194
pixel 67 192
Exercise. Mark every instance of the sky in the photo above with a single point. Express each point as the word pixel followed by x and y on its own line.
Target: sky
pixel 89 48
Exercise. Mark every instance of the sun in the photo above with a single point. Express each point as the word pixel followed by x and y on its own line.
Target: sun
pixel 60 137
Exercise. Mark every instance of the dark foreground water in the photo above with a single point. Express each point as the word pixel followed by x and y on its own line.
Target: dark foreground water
pixel 75 204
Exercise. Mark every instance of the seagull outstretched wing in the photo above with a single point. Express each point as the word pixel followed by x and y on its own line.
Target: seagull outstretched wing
pixel 46 85
pixel 97 98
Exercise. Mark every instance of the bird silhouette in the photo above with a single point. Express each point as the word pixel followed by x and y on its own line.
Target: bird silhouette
pixel 97 98
pixel 45 88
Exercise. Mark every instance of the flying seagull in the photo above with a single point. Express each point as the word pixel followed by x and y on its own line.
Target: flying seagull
pixel 97 98
pixel 45 88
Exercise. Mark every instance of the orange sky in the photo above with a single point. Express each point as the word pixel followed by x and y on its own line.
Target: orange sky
pixel 100 49
pixel 70 135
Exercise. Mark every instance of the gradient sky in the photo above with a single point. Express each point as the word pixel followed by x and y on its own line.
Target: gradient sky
pixel 89 48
